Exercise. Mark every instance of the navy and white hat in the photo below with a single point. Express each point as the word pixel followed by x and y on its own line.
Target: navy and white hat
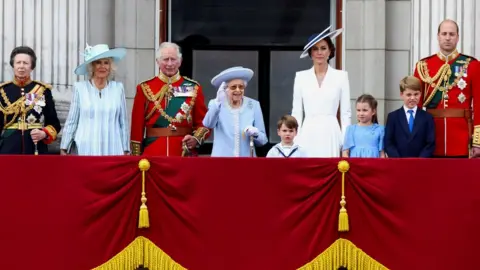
pixel 232 73
pixel 315 38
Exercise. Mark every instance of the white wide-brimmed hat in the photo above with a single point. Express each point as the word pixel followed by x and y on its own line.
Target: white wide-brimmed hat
pixel 97 52
pixel 231 74
pixel 313 39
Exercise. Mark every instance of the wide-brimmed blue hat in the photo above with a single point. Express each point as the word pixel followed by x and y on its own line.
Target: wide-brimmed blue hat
pixel 313 39
pixel 97 52
pixel 231 74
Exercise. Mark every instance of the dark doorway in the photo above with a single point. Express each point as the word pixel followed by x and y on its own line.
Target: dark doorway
pixel 264 35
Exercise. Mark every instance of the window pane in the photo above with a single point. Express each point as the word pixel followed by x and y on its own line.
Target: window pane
pixel 250 22
pixel 283 66
pixel 207 64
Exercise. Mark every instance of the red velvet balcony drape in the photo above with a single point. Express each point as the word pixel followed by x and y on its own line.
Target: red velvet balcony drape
pixel 206 213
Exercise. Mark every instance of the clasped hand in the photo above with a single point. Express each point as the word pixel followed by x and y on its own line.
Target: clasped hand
pixel 37 135
pixel 475 152
pixel 251 131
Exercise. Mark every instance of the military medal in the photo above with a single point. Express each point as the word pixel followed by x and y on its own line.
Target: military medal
pixel 462 84
pixel 445 96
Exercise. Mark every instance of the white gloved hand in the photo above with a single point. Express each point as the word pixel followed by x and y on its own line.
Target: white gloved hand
pixel 221 93
pixel 251 131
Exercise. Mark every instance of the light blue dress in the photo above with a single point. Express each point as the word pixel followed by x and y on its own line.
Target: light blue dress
pixel 228 125
pixel 97 121
pixel 364 141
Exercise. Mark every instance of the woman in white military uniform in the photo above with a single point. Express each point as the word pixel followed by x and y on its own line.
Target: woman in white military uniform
pixel 317 94
pixel 234 117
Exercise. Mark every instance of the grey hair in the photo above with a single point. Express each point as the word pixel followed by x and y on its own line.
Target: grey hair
pixel 113 69
pixel 167 44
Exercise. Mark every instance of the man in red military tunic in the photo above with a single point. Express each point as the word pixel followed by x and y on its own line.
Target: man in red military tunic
pixel 448 87
pixel 168 110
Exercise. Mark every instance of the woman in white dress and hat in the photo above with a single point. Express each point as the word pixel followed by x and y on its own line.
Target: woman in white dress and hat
pixel 97 121
pixel 234 117
pixel 318 94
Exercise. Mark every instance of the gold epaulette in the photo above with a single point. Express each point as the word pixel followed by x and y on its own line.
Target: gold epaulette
pixel 46 85
pixel 5 83
pixel 468 56
pixel 191 80
pixel 147 80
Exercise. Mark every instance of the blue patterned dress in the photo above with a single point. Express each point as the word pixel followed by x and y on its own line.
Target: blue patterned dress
pixel 97 121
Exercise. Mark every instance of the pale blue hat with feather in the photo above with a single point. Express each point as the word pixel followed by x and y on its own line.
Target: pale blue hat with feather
pixel 97 52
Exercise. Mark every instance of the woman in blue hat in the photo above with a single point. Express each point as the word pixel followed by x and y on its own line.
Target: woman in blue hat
pixel 234 118
pixel 318 94
pixel 97 121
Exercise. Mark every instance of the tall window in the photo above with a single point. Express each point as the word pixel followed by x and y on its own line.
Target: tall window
pixel 266 36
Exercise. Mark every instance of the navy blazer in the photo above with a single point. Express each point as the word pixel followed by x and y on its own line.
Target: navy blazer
pixel 400 142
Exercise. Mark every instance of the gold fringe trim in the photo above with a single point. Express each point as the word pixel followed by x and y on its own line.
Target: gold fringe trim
pixel 143 220
pixel 141 252
pixel 343 253
pixel 343 226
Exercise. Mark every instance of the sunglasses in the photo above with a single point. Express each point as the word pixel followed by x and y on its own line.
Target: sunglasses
pixel 235 86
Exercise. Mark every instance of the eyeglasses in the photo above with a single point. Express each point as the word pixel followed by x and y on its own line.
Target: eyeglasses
pixel 235 86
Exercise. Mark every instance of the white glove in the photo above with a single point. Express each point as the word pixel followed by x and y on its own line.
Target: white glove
pixel 221 93
pixel 251 131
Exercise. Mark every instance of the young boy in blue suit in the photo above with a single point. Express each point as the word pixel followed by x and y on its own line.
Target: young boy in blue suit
pixel 409 131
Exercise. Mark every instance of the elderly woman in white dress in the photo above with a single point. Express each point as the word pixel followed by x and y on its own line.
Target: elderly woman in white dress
pixel 97 121
pixel 236 120
pixel 318 93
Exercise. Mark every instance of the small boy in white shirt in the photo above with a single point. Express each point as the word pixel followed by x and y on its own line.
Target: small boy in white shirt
pixel 287 128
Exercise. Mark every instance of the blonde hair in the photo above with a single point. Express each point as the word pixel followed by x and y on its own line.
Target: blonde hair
pixel 410 82
pixel 113 69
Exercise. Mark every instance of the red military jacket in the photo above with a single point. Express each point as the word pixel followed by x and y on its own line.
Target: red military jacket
pixel 164 102
pixel 448 89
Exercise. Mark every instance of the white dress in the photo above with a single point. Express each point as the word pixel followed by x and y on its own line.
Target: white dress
pixel 315 109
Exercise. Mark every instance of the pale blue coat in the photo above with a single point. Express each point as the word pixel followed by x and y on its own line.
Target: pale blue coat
pixel 228 125
pixel 97 121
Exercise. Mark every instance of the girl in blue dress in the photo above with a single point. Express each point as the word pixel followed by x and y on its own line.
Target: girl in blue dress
pixel 365 139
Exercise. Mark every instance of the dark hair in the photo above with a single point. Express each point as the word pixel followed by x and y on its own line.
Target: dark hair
pixel 330 46
pixel 372 102
pixel 289 121
pixel 448 20
pixel 24 50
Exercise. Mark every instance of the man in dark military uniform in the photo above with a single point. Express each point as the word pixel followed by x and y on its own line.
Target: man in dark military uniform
pixel 28 119
pixel 448 87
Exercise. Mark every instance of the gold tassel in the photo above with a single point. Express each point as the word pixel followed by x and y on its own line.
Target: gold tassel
pixel 343 226
pixel 141 252
pixel 143 220
pixel 343 253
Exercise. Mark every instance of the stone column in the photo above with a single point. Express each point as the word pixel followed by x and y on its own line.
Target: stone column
pixel 398 63
pixel 365 50
pixel 135 30
pixel 427 15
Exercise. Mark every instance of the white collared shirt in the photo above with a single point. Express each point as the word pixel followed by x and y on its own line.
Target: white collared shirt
pixel 408 114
